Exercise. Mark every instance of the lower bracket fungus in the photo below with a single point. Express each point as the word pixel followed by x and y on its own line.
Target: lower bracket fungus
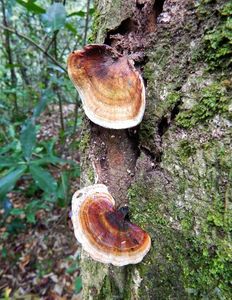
pixel 103 230
pixel 111 89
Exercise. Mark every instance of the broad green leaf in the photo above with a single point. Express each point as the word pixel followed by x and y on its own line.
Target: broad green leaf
pixel 39 108
pixel 11 66
pixel 78 285
pixel 10 146
pixel 31 6
pixel 49 145
pixel 35 205
pixel 43 179
pixel 77 171
pixel 28 138
pixel 52 160
pixel 8 162
pixel 8 181
pixel 71 28
pixel 74 267
pixel 79 13
pixel 92 11
pixel 54 18
pixel 31 217
pixel 16 211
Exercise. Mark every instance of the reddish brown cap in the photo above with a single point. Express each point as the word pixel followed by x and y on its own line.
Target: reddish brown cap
pixel 111 89
pixel 103 231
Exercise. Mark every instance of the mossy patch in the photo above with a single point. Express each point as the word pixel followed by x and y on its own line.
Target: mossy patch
pixel 95 26
pixel 213 99
pixel 189 223
pixel 186 149
pixel 85 140
pixel 217 42
pixel 91 176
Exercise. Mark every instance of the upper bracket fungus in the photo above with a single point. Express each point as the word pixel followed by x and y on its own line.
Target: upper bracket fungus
pixel 103 231
pixel 111 89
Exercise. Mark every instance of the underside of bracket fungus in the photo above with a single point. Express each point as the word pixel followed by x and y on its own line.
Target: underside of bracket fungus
pixel 111 89
pixel 103 231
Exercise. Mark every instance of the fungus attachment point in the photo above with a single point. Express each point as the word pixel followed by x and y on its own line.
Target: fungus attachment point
pixel 103 231
pixel 111 89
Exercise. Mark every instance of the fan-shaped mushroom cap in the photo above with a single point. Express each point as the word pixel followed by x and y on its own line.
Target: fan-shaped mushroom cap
pixel 112 91
pixel 103 231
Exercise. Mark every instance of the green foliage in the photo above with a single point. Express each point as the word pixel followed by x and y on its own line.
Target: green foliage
pixel 78 285
pixel 28 138
pixel 31 6
pixel 201 261
pixel 8 181
pixel 43 179
pixel 218 39
pixel 29 157
pixel 54 18
pixel 213 100
pixel 30 210
pixel 39 131
pixel 186 149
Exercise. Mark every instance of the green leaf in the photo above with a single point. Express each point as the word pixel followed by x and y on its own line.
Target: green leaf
pixel 39 108
pixel 55 17
pixel 63 189
pixel 16 211
pixel 52 160
pixel 91 11
pixel 8 181
pixel 74 267
pixel 79 13
pixel 43 179
pixel 78 285
pixel 8 162
pixel 10 146
pixel 49 145
pixel 28 138
pixel 4 252
pixel 71 28
pixel 31 6
pixel 31 218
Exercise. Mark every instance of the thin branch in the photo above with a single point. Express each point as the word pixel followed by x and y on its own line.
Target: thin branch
pixel 54 36
pixel 51 41
pixel 61 112
pixel 86 23
pixel 10 56
pixel 34 44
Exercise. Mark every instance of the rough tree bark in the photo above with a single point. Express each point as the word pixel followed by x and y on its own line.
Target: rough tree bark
pixel 174 170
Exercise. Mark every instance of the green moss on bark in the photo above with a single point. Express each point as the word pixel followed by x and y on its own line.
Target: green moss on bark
pixel 217 41
pixel 211 100
pixel 189 226
pixel 184 202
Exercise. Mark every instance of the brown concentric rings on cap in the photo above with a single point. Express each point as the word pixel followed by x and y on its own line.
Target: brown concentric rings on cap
pixel 111 89
pixel 103 231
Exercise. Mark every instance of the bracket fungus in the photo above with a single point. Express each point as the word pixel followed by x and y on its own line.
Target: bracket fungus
pixel 111 89
pixel 103 231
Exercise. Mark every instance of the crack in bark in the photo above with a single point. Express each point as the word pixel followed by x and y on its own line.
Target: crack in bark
pixel 114 153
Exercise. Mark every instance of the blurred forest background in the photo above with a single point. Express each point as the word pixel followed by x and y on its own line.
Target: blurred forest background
pixel 39 140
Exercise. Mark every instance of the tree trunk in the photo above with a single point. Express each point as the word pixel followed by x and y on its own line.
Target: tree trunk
pixel 174 170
